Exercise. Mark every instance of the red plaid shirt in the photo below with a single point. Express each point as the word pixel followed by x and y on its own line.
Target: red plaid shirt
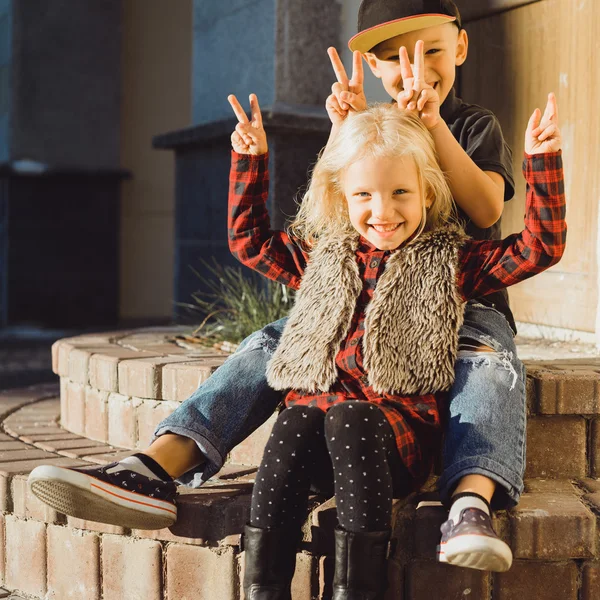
pixel 484 267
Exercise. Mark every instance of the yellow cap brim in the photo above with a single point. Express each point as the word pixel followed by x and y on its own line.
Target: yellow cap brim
pixel 369 38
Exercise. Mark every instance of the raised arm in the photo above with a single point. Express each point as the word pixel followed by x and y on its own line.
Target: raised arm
pixel 479 193
pixel 274 254
pixel 488 266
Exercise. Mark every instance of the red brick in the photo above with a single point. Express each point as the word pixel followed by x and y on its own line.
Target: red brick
pixel 2 551
pixel 429 579
pixel 8 470
pixel 589 484
pixel 550 486
pixel 26 505
pixel 395 581
pixel 73 552
pixel 62 349
pixel 104 368
pixel 141 377
pixel 131 569
pixel 75 421
pixel 23 433
pixel 567 391
pixel 552 527
pixel 527 579
pixel 207 514
pixel 181 380
pixel 149 414
pixel 59 434
pixel 304 582
pixel 81 442
pixel 85 452
pixel 75 523
pixel 14 444
pixel 590 584
pixel 64 399
pixel 96 414
pixel 102 459
pixel 122 423
pixel 17 455
pixel 250 451
pixel 544 436
pixel 196 573
pixel 25 556
pixel 26 466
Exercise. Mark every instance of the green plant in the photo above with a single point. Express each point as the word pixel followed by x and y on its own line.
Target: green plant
pixel 238 303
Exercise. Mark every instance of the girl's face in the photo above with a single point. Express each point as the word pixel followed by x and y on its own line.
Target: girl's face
pixel 384 198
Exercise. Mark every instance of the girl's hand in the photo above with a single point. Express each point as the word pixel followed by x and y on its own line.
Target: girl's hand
pixel 416 94
pixel 543 135
pixel 346 95
pixel 249 137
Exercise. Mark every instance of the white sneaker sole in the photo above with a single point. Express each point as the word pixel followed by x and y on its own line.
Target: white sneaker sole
pixel 476 552
pixel 86 497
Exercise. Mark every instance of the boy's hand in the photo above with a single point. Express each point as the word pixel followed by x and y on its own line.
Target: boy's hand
pixel 346 95
pixel 543 135
pixel 249 137
pixel 417 95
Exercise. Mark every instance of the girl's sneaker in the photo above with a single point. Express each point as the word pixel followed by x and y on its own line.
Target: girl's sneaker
pixel 472 543
pixel 109 494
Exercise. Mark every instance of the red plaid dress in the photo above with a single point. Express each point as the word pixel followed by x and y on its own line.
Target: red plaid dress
pixel 484 267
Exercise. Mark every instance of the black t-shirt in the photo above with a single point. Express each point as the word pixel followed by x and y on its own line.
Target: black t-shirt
pixel 478 132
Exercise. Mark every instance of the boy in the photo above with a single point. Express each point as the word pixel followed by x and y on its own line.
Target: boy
pixel 486 434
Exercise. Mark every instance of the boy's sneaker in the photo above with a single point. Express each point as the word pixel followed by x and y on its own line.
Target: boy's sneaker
pixel 109 494
pixel 473 543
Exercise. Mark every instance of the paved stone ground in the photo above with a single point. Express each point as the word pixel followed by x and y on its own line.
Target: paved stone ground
pixel 25 362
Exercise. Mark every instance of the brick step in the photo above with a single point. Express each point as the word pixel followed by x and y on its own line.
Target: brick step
pixel 116 387
pixel 553 533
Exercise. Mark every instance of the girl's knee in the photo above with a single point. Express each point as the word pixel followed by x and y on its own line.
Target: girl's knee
pixel 298 419
pixel 352 417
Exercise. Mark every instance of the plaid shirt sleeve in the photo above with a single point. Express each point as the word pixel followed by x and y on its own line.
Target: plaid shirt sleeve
pixel 274 254
pixel 490 265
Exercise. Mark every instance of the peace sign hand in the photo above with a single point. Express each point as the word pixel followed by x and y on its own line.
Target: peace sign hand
pixel 346 94
pixel 249 137
pixel 416 94
pixel 543 135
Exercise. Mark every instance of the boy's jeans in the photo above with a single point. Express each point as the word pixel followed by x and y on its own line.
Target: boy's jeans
pixel 486 425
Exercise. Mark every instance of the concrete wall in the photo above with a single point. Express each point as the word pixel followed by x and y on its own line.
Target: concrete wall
pixel 65 82
pixel 373 88
pixel 156 83
pixel 234 53
pixel 5 57
pixel 516 58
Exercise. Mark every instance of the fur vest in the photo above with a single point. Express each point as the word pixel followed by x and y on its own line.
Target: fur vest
pixel 411 323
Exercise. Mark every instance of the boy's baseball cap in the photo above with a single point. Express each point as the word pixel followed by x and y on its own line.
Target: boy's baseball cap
pixel 380 20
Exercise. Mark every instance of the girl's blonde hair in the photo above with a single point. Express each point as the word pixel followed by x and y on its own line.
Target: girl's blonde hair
pixel 380 131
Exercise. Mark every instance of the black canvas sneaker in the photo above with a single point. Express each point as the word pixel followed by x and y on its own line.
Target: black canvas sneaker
pixel 110 494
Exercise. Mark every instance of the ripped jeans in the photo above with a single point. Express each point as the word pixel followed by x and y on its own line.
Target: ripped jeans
pixel 486 425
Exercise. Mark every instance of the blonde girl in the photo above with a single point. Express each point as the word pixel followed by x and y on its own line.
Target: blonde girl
pixel 382 274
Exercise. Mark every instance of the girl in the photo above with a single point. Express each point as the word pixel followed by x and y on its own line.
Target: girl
pixel 369 348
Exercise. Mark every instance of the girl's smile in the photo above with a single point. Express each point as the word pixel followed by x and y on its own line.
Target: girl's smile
pixel 385 202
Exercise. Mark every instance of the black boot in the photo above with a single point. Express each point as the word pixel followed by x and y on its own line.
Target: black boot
pixel 269 564
pixel 360 565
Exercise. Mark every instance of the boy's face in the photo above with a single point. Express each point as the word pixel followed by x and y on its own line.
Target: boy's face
pixel 445 49
pixel 385 203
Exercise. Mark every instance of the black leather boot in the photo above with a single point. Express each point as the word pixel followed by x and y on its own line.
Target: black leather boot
pixel 360 565
pixel 269 563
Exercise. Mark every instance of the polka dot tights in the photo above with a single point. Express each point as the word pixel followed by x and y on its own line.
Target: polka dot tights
pixel 355 441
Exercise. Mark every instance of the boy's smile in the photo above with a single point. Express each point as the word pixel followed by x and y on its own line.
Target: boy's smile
pixel 445 49
pixel 385 202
